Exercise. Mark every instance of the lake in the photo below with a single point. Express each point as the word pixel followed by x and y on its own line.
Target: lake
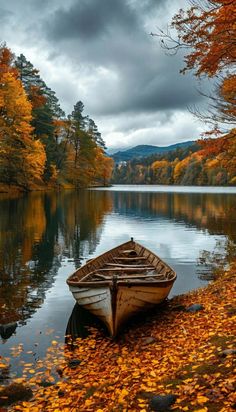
pixel 44 237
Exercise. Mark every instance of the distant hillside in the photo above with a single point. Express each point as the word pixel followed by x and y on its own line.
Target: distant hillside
pixel 147 150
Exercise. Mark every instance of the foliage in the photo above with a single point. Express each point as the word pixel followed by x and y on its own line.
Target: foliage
pixel 214 164
pixel 85 150
pixel 22 158
pixel 173 351
pixel 38 145
pixel 207 30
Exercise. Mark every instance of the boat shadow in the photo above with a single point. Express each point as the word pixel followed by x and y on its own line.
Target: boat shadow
pixel 81 323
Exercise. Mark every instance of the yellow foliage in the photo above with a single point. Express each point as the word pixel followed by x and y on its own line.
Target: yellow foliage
pixel 21 157
pixel 159 164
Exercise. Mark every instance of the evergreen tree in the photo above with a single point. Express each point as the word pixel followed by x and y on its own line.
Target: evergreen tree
pixel 45 110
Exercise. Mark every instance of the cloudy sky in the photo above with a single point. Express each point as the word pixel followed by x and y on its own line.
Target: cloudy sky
pixel 100 52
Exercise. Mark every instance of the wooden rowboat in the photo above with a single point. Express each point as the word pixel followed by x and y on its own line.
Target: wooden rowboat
pixel 121 282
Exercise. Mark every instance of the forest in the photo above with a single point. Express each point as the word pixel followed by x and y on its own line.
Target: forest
pixel 210 162
pixel 206 33
pixel 39 146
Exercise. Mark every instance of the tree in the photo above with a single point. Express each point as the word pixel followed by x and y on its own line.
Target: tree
pixel 104 167
pixel 95 134
pixel 86 162
pixel 45 111
pixel 81 149
pixel 31 81
pixel 22 158
pixel 208 30
pixel 208 27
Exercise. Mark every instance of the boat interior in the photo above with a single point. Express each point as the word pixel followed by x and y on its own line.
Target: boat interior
pixel 127 266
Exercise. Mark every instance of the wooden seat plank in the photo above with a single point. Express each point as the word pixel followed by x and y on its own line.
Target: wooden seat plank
pixel 125 266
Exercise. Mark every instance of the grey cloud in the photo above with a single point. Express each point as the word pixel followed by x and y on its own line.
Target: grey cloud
pixel 4 15
pixel 88 19
pixel 113 35
pixel 100 52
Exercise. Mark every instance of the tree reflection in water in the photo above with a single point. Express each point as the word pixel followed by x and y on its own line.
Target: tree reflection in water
pixel 211 264
pixel 41 230
pixel 37 231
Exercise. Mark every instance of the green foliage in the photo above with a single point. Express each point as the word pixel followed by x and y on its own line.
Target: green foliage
pixel 45 109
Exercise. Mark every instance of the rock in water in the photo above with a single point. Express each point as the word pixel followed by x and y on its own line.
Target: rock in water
pixel 161 403
pixel 148 340
pixel 194 308
pixel 73 363
pixel 227 352
pixel 13 393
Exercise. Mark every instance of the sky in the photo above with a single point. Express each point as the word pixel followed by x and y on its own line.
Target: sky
pixel 101 52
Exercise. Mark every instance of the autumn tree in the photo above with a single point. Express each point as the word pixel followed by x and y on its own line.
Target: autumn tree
pixel 208 30
pixel 104 167
pixel 46 111
pixel 162 172
pixel 22 158
pixel 85 150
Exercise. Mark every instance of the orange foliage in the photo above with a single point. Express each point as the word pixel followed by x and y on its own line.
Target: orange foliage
pixel 36 97
pixel 159 164
pixel 228 93
pixel 21 157
pixel 184 357
pixel 104 166
pixel 6 61
pixel 213 147
pixel 210 29
pixel 180 167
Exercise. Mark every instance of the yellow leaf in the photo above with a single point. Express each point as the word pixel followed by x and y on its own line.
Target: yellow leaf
pixel 201 410
pixel 124 392
pixel 202 399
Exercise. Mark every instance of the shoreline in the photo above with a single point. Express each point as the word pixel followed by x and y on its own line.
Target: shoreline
pixel 14 190
pixel 170 352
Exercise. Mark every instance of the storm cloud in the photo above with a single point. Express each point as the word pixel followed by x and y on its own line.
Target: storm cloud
pixel 101 52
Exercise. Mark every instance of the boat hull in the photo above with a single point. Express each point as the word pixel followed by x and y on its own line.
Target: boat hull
pixel 97 300
pixel 121 282
pixel 114 307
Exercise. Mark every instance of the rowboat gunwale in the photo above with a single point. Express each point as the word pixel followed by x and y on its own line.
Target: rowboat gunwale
pixel 96 284
pixel 89 264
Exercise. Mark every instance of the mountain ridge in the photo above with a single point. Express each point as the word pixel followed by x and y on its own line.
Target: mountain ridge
pixel 141 151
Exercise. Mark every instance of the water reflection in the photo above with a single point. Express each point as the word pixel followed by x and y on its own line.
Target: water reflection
pixel 79 323
pixel 214 212
pixel 45 236
pixel 36 232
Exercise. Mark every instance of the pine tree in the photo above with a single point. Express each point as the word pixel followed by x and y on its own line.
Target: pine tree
pixel 46 109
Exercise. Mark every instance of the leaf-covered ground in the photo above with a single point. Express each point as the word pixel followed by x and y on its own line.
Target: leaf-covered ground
pixel 172 352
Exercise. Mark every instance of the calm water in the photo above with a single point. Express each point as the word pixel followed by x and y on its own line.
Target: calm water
pixel 44 237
